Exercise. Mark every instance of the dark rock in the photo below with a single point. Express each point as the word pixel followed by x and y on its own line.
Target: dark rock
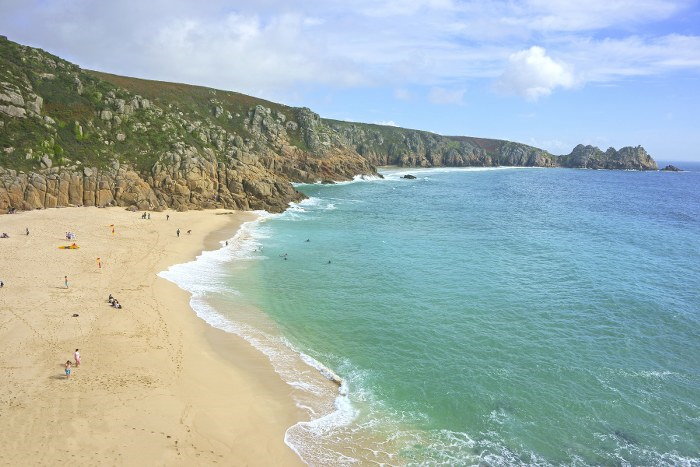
pixel 409 176
pixel 328 182
pixel 671 168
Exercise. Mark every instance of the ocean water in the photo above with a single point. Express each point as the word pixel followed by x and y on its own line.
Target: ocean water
pixel 493 316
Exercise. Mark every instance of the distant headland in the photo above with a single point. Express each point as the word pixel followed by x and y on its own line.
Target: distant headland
pixel 70 136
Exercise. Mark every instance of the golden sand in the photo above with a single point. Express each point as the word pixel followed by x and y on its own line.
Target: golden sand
pixel 157 385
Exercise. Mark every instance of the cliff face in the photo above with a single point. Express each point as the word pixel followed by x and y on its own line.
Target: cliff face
pixel 383 145
pixel 74 137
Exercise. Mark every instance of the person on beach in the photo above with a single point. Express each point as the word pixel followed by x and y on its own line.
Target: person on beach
pixel 2 284
pixel 99 263
pixel 65 281
pixel 167 217
pixel 76 357
pixel 149 216
pixel 189 232
pixel 27 231
pixel 178 233
pixel 68 364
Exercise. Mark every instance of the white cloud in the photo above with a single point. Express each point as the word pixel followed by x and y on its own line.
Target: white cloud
pixel 278 49
pixel 439 95
pixel 612 59
pixel 532 74
pixel 567 15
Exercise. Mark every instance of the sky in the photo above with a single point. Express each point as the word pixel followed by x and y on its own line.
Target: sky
pixel 550 73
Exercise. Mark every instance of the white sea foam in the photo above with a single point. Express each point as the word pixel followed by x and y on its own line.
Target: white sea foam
pixel 205 276
pixel 393 174
pixel 355 179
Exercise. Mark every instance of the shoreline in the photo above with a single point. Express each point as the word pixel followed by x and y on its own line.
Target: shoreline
pixel 157 384
pixel 313 387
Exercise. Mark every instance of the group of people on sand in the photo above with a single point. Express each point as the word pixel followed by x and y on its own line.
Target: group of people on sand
pixel 6 235
pixel 69 364
pixel 146 215
pixel 69 236
pixel 177 232
pixel 114 302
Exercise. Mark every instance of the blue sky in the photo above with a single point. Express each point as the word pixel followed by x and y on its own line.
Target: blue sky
pixel 551 73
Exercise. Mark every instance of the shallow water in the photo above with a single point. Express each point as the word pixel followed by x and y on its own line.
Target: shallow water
pixel 499 315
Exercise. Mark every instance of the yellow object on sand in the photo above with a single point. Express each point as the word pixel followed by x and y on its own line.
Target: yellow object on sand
pixel 69 247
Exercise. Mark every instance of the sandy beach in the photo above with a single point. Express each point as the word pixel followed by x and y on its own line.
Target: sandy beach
pixel 156 386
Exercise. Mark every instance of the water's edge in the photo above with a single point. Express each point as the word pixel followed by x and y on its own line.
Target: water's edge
pixel 199 278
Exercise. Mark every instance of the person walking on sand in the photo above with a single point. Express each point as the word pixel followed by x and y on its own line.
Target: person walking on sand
pixel 65 281
pixel 99 263
pixel 178 233
pixel 68 368
pixel 27 231
pixel 167 217
pixel 76 357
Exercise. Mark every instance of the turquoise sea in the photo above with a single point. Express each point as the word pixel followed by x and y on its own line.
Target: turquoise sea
pixel 495 316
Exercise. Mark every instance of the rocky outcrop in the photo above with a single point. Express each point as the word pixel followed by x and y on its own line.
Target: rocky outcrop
pixel 178 183
pixel 627 158
pixel 671 168
pixel 106 140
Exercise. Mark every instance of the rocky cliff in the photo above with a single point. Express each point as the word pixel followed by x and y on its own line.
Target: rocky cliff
pixel 384 145
pixel 75 137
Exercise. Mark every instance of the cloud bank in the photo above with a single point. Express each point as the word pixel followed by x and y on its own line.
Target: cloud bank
pixel 271 48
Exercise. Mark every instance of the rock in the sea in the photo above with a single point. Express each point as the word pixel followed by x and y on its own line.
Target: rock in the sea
pixel 328 182
pixel 671 168
pixel 409 177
